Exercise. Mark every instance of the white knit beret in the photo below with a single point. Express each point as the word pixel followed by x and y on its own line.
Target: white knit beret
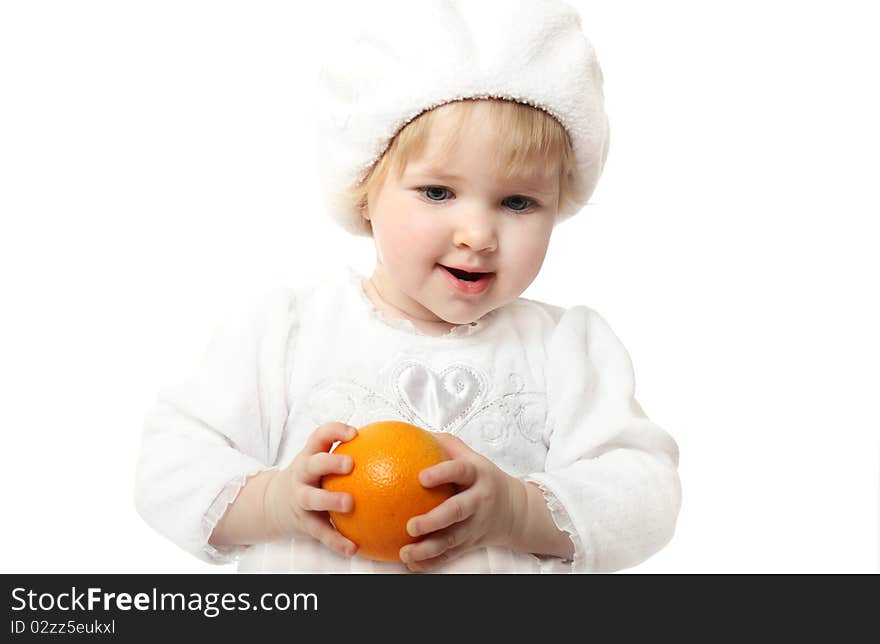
pixel 393 60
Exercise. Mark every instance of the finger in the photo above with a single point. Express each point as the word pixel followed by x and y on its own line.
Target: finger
pixel 317 465
pixel 428 565
pixel 321 529
pixel 453 510
pixel 318 500
pixel 432 563
pixel 433 547
pixel 325 435
pixel 458 471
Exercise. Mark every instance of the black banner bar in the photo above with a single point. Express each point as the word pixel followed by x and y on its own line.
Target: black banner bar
pixel 235 606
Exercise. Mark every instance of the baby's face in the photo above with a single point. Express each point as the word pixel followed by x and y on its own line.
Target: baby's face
pixel 429 220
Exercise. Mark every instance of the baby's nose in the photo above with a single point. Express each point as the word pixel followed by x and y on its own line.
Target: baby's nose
pixel 477 233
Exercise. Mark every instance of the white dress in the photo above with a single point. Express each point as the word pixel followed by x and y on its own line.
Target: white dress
pixel 544 392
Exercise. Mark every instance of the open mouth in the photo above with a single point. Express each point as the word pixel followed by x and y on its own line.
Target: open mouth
pixel 466 282
pixel 464 275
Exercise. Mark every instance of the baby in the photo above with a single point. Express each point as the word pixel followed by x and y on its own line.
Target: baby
pixel 457 135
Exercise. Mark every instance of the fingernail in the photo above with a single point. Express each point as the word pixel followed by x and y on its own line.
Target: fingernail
pixel 412 529
pixel 404 554
pixel 347 464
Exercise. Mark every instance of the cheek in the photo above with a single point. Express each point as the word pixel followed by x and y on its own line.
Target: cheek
pixel 417 237
pixel 527 250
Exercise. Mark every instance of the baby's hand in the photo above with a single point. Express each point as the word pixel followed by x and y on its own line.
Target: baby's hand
pixel 295 501
pixel 482 513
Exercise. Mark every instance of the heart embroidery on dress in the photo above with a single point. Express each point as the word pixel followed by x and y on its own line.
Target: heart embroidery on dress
pixel 439 402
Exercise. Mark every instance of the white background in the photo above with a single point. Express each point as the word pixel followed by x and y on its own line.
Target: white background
pixel 156 167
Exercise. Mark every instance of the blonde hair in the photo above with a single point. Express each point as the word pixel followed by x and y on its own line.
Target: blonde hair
pixel 530 138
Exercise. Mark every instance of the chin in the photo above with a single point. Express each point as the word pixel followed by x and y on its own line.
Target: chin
pixel 460 319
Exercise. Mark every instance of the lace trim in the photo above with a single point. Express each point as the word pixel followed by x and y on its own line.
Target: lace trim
pixel 403 324
pixel 223 554
pixel 563 521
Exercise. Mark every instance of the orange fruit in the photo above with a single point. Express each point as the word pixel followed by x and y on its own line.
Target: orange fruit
pixel 388 456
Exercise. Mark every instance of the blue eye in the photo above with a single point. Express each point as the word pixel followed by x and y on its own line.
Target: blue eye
pixel 527 203
pixel 427 190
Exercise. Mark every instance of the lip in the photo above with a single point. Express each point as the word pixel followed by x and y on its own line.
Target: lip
pixel 462 286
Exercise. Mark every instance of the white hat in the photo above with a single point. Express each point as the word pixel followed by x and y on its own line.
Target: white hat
pixel 398 59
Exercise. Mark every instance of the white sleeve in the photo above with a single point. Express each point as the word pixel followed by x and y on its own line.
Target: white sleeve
pixel 222 423
pixel 610 478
